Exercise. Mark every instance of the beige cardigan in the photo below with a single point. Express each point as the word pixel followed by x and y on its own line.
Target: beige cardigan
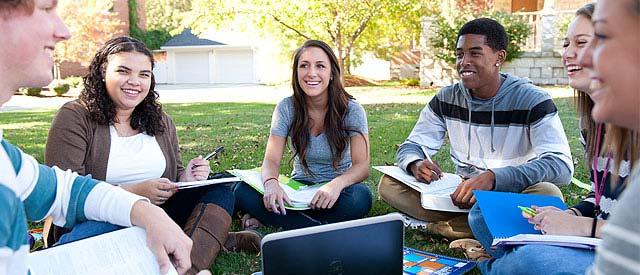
pixel 78 143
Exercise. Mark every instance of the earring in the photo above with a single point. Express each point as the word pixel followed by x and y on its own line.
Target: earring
pixel 497 64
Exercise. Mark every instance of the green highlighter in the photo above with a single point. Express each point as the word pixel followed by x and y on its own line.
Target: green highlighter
pixel 528 210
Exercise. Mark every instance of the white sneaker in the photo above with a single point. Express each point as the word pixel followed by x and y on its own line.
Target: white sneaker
pixel 412 222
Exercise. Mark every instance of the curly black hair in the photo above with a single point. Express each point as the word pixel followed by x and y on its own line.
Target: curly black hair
pixel 147 116
pixel 495 35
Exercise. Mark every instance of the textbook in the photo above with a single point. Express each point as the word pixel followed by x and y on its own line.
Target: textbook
pixel 300 194
pixel 509 228
pixel 433 196
pixel 119 252
pixel 416 262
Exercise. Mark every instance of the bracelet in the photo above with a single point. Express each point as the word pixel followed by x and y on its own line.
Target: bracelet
pixel 593 227
pixel 574 211
pixel 271 178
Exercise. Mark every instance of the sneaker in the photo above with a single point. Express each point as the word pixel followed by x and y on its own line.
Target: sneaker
pixel 412 222
pixel 471 248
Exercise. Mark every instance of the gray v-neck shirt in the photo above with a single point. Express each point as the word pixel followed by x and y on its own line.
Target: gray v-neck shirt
pixel 318 149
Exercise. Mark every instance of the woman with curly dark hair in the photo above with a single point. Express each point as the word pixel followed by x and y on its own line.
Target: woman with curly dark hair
pixel 328 132
pixel 117 131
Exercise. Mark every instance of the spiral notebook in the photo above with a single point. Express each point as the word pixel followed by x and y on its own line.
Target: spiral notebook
pixel 509 228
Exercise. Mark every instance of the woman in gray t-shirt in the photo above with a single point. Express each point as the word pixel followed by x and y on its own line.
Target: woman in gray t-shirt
pixel 329 139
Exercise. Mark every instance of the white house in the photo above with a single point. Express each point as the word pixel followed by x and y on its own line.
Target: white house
pixel 190 59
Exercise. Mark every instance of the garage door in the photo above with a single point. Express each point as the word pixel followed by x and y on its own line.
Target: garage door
pixel 192 67
pixel 234 67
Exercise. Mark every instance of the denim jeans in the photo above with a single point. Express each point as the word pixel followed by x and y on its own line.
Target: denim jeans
pixel 354 203
pixel 527 259
pixel 178 207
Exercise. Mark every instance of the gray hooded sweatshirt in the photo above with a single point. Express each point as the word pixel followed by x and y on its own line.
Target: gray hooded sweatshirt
pixel 517 134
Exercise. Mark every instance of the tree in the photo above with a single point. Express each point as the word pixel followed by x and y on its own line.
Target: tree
pixel 91 24
pixel 348 25
pixel 166 15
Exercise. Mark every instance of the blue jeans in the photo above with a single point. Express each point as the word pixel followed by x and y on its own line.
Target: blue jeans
pixel 178 207
pixel 354 203
pixel 527 259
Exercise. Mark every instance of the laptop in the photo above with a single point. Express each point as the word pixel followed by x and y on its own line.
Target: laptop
pixel 365 246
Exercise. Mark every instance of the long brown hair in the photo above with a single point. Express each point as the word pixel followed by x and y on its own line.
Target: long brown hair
pixel 335 131
pixel 585 104
pixel 618 141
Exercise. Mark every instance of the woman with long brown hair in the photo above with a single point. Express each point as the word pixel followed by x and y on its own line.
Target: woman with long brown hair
pixel 329 140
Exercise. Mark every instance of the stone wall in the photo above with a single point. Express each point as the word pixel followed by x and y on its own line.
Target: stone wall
pixel 543 68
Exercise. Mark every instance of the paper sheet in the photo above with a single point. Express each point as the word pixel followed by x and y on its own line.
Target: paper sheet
pixel 192 184
pixel 121 252
pixel 433 196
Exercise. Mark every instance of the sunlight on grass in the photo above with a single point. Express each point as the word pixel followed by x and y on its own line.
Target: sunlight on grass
pixel 24 125
pixel 244 128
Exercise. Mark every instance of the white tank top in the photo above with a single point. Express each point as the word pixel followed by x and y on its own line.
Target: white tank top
pixel 134 159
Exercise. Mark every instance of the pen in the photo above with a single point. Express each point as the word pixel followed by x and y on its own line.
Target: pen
pixel 528 210
pixel 429 159
pixel 214 153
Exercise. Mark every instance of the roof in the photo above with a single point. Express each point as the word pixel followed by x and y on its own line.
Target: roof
pixel 187 38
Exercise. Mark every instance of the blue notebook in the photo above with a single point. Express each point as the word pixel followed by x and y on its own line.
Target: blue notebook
pixel 502 215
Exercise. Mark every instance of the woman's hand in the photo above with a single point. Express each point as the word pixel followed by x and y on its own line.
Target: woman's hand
pixel 275 197
pixel 158 191
pixel 326 196
pixel 197 169
pixel 553 221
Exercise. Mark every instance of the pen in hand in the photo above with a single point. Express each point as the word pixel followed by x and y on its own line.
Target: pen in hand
pixel 211 155
pixel 528 210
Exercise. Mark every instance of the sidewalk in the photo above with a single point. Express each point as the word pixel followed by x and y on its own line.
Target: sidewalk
pixel 244 93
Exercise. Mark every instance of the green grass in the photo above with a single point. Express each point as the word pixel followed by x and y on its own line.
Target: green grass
pixel 243 130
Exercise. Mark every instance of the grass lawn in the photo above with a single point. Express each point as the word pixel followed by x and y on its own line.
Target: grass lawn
pixel 243 130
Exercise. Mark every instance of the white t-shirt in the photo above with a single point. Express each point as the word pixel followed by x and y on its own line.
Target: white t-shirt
pixel 134 159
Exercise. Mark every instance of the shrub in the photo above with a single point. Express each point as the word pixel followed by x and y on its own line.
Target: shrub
pixel 444 33
pixel 61 88
pixel 74 81
pixel 412 82
pixel 32 91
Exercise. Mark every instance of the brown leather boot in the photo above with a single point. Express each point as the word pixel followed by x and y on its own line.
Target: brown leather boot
pixel 208 227
pixel 247 241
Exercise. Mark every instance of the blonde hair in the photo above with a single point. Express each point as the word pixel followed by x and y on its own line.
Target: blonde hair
pixel 9 6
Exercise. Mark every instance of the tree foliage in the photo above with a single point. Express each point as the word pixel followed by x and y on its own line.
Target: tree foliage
pixel 350 26
pixel 166 15
pixel 444 34
pixel 91 24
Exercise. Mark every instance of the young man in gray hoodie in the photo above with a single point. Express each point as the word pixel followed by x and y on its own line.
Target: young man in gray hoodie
pixel 505 134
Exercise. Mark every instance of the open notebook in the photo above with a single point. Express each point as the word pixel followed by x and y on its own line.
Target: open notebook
pixel 509 228
pixel 433 196
pixel 300 194
pixel 119 252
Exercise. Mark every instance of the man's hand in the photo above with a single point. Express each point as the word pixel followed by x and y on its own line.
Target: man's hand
pixel 463 196
pixel 164 237
pixel 326 196
pixel 426 171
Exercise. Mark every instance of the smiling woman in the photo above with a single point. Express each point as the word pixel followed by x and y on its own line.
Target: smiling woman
pixel 118 132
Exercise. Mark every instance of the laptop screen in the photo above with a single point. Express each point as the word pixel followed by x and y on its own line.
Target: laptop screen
pixel 366 246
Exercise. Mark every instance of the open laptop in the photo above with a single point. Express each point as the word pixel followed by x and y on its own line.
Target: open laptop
pixel 365 246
